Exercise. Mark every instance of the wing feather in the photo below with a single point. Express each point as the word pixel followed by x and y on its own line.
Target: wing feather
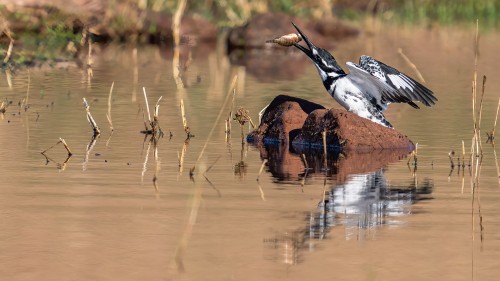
pixel 374 88
pixel 403 84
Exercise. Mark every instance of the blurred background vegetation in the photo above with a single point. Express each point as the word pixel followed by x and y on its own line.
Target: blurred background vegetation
pixel 236 12
pixel 51 29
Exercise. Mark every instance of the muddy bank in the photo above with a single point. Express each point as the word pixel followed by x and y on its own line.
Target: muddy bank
pixel 298 122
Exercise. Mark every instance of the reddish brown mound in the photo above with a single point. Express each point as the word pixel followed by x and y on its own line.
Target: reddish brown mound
pixel 283 119
pixel 298 121
pixel 349 131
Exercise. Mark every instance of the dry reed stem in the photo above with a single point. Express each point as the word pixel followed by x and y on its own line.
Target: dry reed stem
pixel 89 148
pixel 450 156
pixel 208 180
pixel 228 120
pixel 181 158
pixel 184 121
pixel 303 156
pixel 495 124
pixel 233 83
pixel 108 115
pixel 66 146
pixel 157 107
pixel 411 64
pixel 261 191
pixel 91 120
pixel 61 140
pixel 9 51
pixel 496 163
pixel 135 79
pixel 147 103
pixel 28 91
pixel 176 21
pixel 176 24
pixel 145 164
pixel 8 77
pixel 262 168
pixel 463 153
pixel 90 73
pixel 481 103
pixel 479 118
pixel 195 204
pixel 6 31
pixel 474 90
pixel 211 165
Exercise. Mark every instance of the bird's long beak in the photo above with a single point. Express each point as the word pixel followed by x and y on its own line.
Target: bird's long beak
pixel 308 52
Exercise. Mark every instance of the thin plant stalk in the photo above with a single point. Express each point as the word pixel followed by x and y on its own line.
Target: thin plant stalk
pixel 183 115
pixel 411 64
pixel 108 115
pixel 261 168
pixel 495 124
pixel 196 200
pixel 176 25
pixel 463 153
pixel 147 104
pixel 28 91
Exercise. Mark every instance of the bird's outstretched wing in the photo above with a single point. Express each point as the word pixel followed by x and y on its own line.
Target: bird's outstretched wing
pixel 377 91
pixel 405 85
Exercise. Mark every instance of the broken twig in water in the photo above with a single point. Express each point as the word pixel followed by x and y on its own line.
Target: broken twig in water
pixel 91 120
pixel 60 166
pixel 154 125
pixel 242 116
pixel 61 140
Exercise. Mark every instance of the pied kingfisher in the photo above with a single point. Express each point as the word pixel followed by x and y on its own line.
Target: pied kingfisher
pixel 368 87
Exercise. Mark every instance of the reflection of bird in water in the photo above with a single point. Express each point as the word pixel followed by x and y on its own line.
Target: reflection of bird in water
pixel 365 201
pixel 369 87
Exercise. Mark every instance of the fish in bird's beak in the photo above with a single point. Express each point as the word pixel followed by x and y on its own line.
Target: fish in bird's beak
pixel 312 49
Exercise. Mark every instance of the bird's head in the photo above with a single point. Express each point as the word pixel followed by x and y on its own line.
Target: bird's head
pixel 324 61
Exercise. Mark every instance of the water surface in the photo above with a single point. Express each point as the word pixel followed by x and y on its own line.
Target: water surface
pixel 123 209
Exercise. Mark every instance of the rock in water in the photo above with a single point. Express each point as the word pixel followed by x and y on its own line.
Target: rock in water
pixel 282 120
pixel 300 122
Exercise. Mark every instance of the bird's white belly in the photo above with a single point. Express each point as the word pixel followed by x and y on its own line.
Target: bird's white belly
pixel 351 98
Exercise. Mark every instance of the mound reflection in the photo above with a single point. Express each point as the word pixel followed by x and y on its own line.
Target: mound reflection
pixel 358 198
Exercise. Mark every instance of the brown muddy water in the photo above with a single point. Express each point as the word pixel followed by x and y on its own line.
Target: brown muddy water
pixel 100 216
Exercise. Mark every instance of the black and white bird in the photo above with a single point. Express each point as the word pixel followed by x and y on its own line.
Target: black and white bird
pixel 369 87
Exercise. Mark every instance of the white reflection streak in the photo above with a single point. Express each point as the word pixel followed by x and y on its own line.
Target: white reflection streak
pixel 363 204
